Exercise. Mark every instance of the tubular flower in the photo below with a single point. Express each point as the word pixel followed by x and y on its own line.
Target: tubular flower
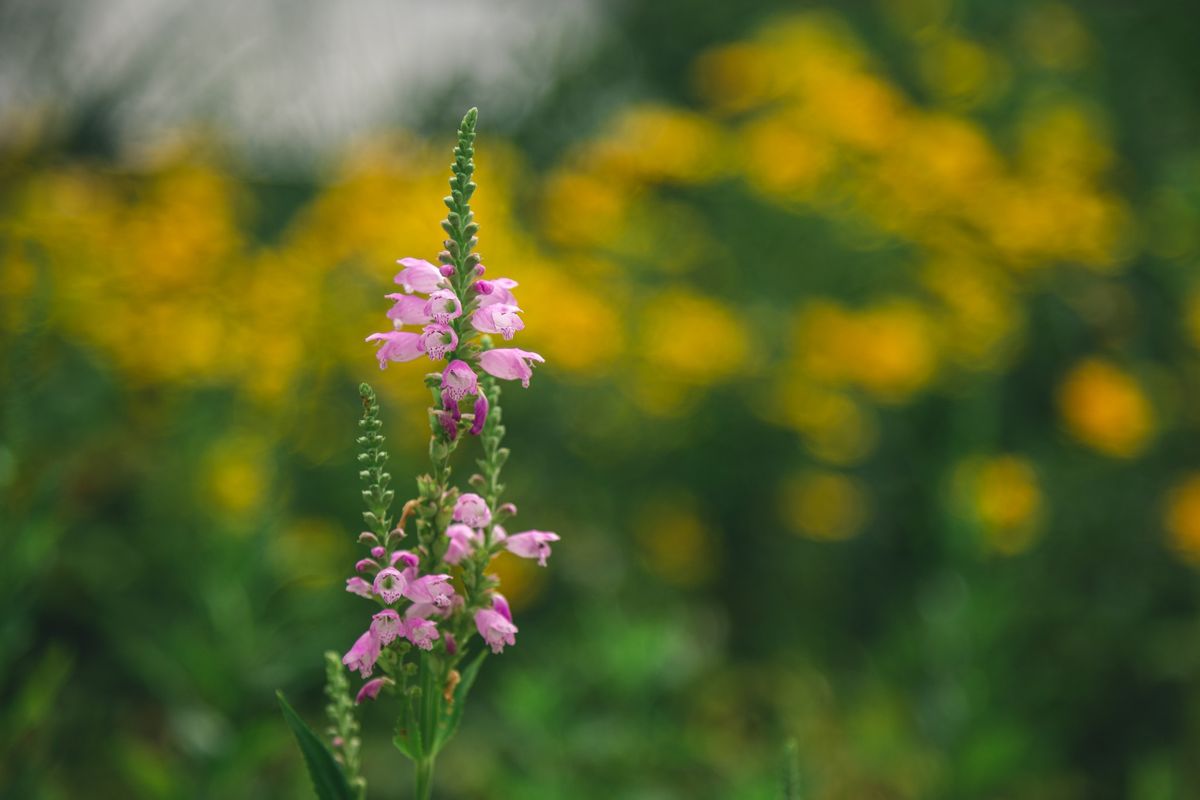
pixel 421 632
pixel 510 364
pixel 471 509
pixel 432 589
pixel 462 541
pixel 386 626
pixel 390 585
pixel 397 346
pixel 358 586
pixel 443 305
pixel 407 310
pixel 495 629
pixel 438 339
pixel 363 654
pixel 370 689
pixel 459 380
pixel 419 275
pixel 481 412
pixel 531 544
pixel 498 290
pixel 498 318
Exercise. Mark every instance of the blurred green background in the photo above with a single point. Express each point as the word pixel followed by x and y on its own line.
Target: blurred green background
pixel 869 415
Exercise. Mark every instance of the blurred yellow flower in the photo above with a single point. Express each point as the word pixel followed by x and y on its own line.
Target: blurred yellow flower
pixel 1106 408
pixel 693 339
pixel 674 542
pixel 236 475
pixel 1182 518
pixel 1005 500
pixel 656 143
pixel 823 505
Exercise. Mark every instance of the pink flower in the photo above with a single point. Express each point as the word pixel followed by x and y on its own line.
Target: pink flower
pixel 432 589
pixel 462 541
pixel 420 632
pixel 386 626
pixel 443 306
pixel 378 551
pixel 365 565
pixel 496 291
pixel 363 654
pixel 498 534
pixel 459 380
pixel 500 606
pixel 437 340
pixel 390 585
pixel 495 629
pixel 397 346
pixel 531 544
pixel 481 412
pixel 409 558
pixel 408 310
pixel 472 510
pixel 498 318
pixel 358 586
pixel 510 363
pixel 418 275
pixel 370 689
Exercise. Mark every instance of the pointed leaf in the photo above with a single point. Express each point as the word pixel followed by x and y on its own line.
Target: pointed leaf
pixel 328 780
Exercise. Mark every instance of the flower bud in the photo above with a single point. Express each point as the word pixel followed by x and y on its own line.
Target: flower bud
pixel 447 270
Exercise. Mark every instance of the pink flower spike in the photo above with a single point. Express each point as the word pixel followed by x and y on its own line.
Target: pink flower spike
pixel 418 275
pixel 420 632
pixel 434 589
pixel 510 363
pixel 386 626
pixel 459 380
pixel 443 306
pixel 481 412
pixel 358 586
pixel 409 309
pixel 472 510
pixel 495 629
pixel 370 689
pixel 363 654
pixel 390 585
pixel 462 540
pixel 498 318
pixel 438 339
pixel 500 606
pixel 409 558
pixel 397 346
pixel 531 544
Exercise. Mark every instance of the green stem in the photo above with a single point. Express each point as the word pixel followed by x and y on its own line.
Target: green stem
pixel 424 784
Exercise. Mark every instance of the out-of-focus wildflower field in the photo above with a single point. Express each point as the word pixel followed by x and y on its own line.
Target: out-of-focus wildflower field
pixel 870 418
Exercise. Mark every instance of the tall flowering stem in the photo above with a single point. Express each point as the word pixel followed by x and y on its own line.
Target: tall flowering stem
pixel 436 610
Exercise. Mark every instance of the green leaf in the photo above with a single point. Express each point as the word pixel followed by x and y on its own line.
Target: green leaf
pixel 328 780
pixel 460 699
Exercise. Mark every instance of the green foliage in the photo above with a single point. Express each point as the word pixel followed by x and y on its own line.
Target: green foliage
pixel 328 780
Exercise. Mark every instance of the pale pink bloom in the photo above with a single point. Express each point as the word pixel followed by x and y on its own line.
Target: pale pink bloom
pixel 472 510
pixel 390 585
pixel 386 626
pixel 420 632
pixel 500 606
pixel 397 346
pixel 510 363
pixel 418 275
pixel 437 340
pixel 498 318
pixel 531 544
pixel 433 589
pixel 498 534
pixel 363 654
pixel 481 412
pixel 409 558
pixel 462 541
pixel 358 586
pixel 443 306
pixel 409 309
pixel 496 291
pixel 495 629
pixel 370 689
pixel 459 380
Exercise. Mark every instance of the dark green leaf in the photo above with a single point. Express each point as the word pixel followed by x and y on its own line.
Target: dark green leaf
pixel 328 780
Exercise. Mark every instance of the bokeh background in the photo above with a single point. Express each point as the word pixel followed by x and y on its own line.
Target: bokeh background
pixel 870 414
